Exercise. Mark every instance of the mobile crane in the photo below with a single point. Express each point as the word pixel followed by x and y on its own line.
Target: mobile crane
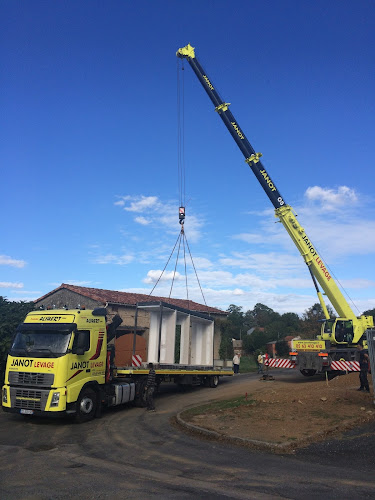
pixel 339 336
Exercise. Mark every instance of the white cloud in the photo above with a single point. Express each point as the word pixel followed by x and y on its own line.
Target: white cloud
pixel 120 260
pixel 143 221
pixel 271 263
pixel 250 237
pixel 221 299
pixel 339 235
pixel 8 284
pixel 201 263
pixel 336 227
pixel 331 199
pixel 24 298
pixel 358 284
pixel 160 215
pixel 140 203
pixel 247 272
pixel 5 260
pixel 154 275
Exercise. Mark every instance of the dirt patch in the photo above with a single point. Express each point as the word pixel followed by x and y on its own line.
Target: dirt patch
pixel 282 412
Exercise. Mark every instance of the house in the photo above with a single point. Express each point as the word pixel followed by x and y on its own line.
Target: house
pixel 237 346
pixel 123 304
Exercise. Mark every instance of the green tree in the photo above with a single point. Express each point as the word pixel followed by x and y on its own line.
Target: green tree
pixel 11 315
pixel 247 344
pixel 291 323
pixel 282 348
pixel 257 340
pixel 262 315
pixel 226 345
pixel 312 320
pixel 369 312
pixel 235 316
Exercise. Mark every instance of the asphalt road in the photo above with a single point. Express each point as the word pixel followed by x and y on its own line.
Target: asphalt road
pixel 131 454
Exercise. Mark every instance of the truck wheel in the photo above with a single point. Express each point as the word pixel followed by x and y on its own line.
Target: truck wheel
pixel 86 405
pixel 308 373
pixel 214 381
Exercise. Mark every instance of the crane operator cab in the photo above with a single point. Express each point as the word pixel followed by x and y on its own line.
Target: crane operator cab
pixel 339 331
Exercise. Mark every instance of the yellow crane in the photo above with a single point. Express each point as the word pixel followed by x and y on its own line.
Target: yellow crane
pixel 347 329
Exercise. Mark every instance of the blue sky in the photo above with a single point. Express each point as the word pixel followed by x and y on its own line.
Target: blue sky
pixel 89 156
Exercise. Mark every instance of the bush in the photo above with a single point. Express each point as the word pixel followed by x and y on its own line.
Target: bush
pixel 11 315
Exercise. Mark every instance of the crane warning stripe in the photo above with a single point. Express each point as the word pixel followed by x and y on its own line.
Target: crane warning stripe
pixel 136 360
pixel 348 366
pixel 280 363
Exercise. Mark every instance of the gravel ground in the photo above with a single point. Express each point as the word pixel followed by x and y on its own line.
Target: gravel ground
pixel 286 412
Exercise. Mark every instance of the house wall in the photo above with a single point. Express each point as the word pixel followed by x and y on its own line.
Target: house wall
pixel 71 300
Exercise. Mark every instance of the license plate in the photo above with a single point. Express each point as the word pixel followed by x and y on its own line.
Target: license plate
pixel 27 412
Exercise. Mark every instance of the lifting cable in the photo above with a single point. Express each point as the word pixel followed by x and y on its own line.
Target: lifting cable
pixel 339 283
pixel 182 192
pixel 181 132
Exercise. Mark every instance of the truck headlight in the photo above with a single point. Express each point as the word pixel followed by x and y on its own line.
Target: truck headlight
pixel 55 399
pixel 5 395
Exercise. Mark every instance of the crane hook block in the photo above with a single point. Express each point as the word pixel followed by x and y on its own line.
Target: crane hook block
pixel 254 158
pixel 181 215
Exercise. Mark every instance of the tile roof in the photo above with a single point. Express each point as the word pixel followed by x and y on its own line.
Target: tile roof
pixel 129 298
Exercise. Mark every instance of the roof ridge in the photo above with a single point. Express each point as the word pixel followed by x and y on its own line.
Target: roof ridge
pixel 105 295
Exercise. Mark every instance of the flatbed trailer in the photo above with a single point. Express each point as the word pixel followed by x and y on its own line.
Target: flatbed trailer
pixel 62 362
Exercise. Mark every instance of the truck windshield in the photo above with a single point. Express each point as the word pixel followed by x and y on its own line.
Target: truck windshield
pixel 41 344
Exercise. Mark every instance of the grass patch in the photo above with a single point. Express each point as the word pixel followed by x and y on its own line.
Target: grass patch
pixel 217 406
pixel 248 364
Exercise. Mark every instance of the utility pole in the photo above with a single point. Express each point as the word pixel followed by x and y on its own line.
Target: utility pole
pixel 371 355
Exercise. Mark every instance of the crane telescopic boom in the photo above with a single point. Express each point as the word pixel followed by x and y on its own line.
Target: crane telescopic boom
pixel 347 329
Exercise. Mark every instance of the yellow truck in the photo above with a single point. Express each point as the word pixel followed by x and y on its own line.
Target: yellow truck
pixel 63 362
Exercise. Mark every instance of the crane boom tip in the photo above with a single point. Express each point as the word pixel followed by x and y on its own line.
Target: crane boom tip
pixel 187 51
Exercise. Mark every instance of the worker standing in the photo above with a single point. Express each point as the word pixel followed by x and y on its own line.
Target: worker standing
pixel 236 363
pixel 363 368
pixel 266 362
pixel 260 363
pixel 150 388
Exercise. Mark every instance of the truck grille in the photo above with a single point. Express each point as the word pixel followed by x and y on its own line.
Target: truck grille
pixel 30 379
pixel 29 399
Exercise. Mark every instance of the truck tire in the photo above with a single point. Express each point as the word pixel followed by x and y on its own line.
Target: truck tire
pixel 308 373
pixel 214 381
pixel 86 405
